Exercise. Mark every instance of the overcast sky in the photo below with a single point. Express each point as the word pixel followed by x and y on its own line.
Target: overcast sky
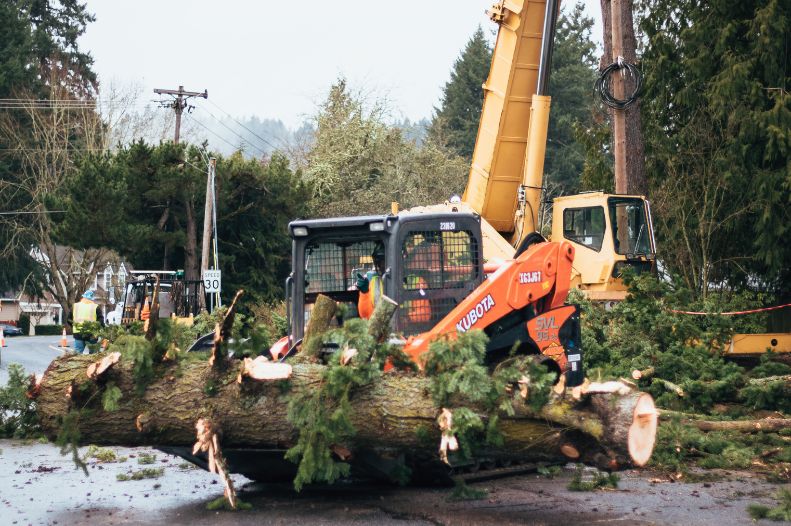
pixel 278 59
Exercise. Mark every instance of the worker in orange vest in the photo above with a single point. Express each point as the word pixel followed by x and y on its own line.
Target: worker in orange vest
pixel 85 311
pixel 371 286
pixel 418 311
pixel 419 261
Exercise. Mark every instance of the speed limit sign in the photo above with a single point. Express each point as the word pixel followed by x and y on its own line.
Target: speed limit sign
pixel 212 280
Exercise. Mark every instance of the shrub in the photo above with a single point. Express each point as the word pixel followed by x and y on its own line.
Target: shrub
pixel 24 323
pixel 49 330
pixel 18 417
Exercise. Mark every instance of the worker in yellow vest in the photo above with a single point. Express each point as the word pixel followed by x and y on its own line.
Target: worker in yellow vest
pixel 371 286
pixel 86 310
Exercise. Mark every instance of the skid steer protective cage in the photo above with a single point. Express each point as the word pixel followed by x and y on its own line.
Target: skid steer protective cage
pixel 433 261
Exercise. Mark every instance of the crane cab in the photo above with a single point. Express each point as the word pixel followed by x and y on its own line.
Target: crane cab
pixel 610 232
pixel 433 261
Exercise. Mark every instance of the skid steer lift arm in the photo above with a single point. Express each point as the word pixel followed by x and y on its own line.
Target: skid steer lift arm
pixel 535 285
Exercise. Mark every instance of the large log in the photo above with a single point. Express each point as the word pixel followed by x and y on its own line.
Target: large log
pixel 321 317
pixel 389 413
pixel 379 327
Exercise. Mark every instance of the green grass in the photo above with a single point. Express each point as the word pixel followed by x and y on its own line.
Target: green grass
pixel 782 512
pixel 463 492
pixel 102 454
pixel 221 503
pixel 599 481
pixel 146 458
pixel 147 473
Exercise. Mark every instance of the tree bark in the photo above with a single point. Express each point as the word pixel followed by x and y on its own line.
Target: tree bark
pixel 320 319
pixel 636 182
pixel 387 414
pixel 770 379
pixel 744 426
pixel 379 327
pixel 191 266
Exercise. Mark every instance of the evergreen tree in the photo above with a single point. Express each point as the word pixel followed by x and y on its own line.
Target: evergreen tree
pixel 573 74
pixel 455 122
pixel 718 129
pixel 56 26
pixel 256 201
pixel 38 43
pixel 136 202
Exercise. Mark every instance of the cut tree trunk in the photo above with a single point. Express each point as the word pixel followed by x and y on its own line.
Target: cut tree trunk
pixel 393 413
pixel 744 426
pixel 770 379
pixel 379 326
pixel 321 316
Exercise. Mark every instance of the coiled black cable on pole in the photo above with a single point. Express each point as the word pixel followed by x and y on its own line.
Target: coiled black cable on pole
pixel 603 84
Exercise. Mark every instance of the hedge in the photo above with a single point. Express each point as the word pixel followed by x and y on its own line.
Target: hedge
pixel 49 330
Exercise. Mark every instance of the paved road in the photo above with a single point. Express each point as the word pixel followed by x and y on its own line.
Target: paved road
pixel 31 352
pixel 39 486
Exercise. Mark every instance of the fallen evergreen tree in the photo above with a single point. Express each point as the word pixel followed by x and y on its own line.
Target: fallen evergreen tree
pixel 144 391
pixel 715 412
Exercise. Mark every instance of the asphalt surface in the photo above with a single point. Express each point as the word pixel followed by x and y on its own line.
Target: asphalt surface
pixel 40 486
pixel 31 352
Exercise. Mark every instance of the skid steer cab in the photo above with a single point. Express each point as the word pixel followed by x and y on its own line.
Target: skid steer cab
pixel 434 270
pixel 432 262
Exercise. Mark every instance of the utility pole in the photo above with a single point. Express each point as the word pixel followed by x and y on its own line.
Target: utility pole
pixel 627 136
pixel 180 102
pixel 208 214
pixel 618 116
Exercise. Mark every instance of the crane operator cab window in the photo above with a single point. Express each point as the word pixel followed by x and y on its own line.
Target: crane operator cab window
pixel 631 231
pixel 331 269
pixel 437 265
pixel 585 226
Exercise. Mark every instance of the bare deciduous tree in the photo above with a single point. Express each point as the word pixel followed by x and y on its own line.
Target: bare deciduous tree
pixel 46 141
pixel 697 206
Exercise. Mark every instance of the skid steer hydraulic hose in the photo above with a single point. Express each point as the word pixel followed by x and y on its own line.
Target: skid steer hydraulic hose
pixel 603 87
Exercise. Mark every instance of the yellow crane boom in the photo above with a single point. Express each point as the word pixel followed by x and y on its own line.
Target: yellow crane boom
pixel 506 175
pixel 609 232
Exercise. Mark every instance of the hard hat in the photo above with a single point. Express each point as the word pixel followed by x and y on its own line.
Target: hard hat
pixel 379 251
pixel 89 294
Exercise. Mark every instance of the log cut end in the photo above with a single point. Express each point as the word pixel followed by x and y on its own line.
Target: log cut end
pixel 642 432
pixel 98 368
pixel 262 369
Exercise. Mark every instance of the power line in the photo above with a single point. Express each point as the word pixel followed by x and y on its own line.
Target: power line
pixel 54 150
pixel 204 156
pixel 69 105
pixel 48 101
pixel 243 126
pixel 20 212
pixel 233 132
pixel 194 166
pixel 196 121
